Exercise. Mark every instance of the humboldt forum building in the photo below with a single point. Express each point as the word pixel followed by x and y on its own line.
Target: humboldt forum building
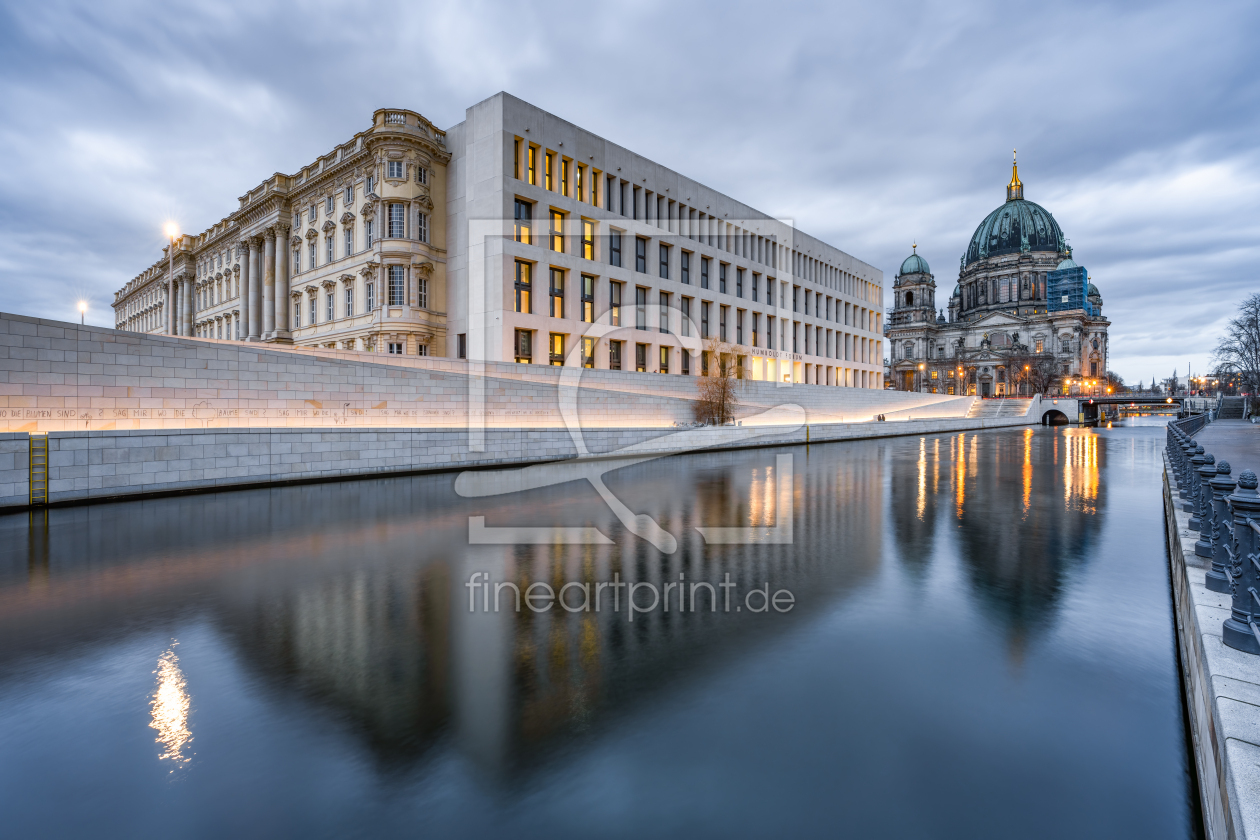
pixel 515 236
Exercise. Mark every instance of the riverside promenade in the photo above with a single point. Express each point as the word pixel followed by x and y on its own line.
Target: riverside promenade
pixel 1221 684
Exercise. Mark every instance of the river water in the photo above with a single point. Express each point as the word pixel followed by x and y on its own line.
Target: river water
pixel 973 639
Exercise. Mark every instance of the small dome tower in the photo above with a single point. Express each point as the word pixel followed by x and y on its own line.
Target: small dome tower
pixel 914 291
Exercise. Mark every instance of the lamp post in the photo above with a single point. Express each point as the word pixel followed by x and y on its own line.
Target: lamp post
pixel 921 375
pixel 82 310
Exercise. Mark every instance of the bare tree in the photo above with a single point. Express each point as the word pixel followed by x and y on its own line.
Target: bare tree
pixel 1238 352
pixel 715 386
pixel 1039 371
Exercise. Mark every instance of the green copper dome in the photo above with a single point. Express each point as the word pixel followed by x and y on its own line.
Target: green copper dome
pixel 1013 228
pixel 1068 263
pixel 914 264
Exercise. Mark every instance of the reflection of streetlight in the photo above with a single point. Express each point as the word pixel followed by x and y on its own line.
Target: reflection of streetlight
pixel 82 310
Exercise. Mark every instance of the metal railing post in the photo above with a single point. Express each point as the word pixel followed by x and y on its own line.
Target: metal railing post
pixel 1194 482
pixel 1221 531
pixel 1240 630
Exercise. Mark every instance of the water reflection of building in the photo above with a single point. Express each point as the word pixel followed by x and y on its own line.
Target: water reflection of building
pixel 1023 507
pixel 366 615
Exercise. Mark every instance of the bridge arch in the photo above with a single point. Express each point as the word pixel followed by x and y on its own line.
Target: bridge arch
pixel 1054 417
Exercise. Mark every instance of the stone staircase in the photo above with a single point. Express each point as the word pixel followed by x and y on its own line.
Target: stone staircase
pixel 999 408
pixel 1231 408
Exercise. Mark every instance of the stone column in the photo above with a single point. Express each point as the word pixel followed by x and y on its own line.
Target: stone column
pixel 243 318
pixel 172 297
pixel 186 301
pixel 269 284
pixel 282 285
pixel 252 325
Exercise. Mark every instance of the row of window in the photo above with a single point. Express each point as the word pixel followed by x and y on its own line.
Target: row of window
pixel 556 354
pixel 821 342
pixel 743 281
pixel 571 179
pixel 396 295
pixel 397 227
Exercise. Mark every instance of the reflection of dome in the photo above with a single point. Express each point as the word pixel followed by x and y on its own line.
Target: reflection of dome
pixel 1013 228
pixel 914 264
pixel 1068 263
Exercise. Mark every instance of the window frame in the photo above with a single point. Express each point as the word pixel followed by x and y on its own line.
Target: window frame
pixel 524 283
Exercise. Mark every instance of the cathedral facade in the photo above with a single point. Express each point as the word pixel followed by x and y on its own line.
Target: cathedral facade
pixel 1023 318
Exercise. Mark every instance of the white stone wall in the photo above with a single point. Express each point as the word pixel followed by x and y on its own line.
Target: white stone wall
pixel 56 376
pixel 86 466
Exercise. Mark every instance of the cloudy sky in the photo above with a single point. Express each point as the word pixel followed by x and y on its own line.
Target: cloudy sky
pixel 872 124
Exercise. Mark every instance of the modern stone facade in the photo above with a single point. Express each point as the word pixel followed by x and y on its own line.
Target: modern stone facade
pixel 515 236
pixel 1010 331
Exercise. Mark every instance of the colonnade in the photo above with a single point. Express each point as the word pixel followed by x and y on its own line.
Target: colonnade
pixel 264 291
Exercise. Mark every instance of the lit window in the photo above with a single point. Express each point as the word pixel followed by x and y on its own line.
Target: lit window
pixel 588 298
pixel 524 218
pixel 580 183
pixel 557 293
pixel 556 349
pixel 588 352
pixel 549 160
pixel 533 165
pixel 588 239
pixel 664 359
pixel 564 178
pixel 524 286
pixel 640 357
pixel 614 355
pixel 557 231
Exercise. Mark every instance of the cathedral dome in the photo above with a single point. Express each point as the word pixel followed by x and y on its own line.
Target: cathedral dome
pixel 1068 263
pixel 914 264
pixel 1015 227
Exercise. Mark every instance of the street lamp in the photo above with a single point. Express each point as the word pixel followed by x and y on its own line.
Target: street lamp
pixel 82 310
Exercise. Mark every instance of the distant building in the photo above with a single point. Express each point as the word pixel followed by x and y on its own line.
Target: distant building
pixel 505 238
pixel 1021 302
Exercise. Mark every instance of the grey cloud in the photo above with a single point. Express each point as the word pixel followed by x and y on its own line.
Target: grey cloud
pixel 872 125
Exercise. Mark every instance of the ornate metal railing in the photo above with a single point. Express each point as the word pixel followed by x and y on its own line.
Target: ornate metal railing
pixel 1226 513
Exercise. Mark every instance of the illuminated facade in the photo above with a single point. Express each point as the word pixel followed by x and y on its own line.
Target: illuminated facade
pixel 1023 318
pixel 371 248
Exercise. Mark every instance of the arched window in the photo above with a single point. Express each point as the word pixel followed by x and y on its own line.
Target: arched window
pixel 909 299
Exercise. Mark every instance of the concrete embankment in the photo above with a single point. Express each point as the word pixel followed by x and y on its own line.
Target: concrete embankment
pixel 1222 687
pixel 95 466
